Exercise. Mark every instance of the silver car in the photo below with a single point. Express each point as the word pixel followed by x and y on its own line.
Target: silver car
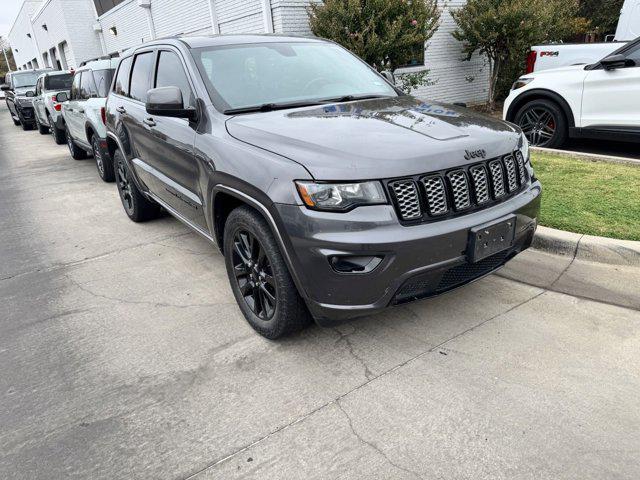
pixel 47 109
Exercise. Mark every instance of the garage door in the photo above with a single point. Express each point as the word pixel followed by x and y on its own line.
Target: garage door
pixel 66 51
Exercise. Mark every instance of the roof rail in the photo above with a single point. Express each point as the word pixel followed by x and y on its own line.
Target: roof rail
pixel 103 57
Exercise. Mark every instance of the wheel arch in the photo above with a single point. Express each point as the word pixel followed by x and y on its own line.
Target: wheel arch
pixel 541 94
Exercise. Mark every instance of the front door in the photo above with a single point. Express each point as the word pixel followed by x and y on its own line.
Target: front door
pixel 172 141
pixel 611 98
pixel 72 107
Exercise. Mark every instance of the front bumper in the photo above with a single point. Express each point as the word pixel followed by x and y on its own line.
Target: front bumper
pixel 415 262
pixel 26 114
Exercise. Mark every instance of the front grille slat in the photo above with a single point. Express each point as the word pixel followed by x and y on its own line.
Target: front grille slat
pixel 448 193
pixel 408 202
pixel 436 195
pixel 459 189
pixel 497 179
pixel 512 175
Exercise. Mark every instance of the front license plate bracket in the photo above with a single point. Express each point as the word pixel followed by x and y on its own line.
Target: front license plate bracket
pixel 491 238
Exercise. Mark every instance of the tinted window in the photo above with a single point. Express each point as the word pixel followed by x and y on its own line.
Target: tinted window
pixel 75 86
pixel 103 81
pixel 58 82
pixel 121 86
pixel 140 76
pixel 171 74
pixel 635 55
pixel 88 85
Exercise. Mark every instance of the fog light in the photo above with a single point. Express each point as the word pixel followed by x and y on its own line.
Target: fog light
pixel 354 264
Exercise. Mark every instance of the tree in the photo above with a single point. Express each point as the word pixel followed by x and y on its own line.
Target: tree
pixel 4 68
pixel 387 34
pixel 603 14
pixel 503 30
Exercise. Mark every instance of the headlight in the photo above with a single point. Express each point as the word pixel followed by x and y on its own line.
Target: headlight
pixel 523 146
pixel 340 196
pixel 521 82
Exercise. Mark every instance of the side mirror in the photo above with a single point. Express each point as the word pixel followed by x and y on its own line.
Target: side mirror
pixel 5 87
pixel 62 97
pixel 30 94
pixel 389 76
pixel 168 102
pixel 615 61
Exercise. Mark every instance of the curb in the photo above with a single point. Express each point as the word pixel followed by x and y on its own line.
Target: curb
pixel 587 247
pixel 589 156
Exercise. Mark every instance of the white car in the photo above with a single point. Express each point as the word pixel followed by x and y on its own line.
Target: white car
pixel 601 100
pixel 83 114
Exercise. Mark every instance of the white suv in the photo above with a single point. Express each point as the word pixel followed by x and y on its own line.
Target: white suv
pixel 84 114
pixel 594 101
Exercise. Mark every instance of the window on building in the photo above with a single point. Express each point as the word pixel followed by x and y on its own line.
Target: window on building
pixel 103 81
pixel 171 74
pixel 103 6
pixel 75 86
pixel 140 76
pixel 88 86
pixel 121 86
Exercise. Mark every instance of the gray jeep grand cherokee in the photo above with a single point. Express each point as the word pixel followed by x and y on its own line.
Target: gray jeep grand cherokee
pixel 330 193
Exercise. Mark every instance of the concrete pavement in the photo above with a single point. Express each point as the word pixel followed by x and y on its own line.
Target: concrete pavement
pixel 124 355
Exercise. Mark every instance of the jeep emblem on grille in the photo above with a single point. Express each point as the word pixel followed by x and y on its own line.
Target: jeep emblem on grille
pixel 470 155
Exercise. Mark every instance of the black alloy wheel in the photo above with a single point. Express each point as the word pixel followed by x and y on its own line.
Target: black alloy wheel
pixel 543 123
pixel 254 275
pixel 124 188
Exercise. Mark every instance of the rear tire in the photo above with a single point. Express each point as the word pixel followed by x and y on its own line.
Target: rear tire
pixel 16 122
pixel 103 162
pixel 41 128
pixel 137 207
pixel 543 123
pixel 76 152
pixel 58 135
pixel 259 277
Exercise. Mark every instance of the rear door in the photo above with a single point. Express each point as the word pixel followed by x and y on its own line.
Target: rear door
pixel 171 141
pixel 611 98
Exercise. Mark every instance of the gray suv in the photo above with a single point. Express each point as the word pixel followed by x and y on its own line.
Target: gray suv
pixel 330 193
pixel 19 88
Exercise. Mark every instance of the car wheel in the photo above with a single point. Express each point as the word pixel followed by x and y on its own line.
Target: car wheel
pixel 259 276
pixel 16 122
pixel 76 152
pixel 41 128
pixel 58 134
pixel 25 125
pixel 137 207
pixel 103 162
pixel 543 123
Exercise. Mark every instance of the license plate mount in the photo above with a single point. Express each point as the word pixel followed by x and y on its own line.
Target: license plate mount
pixel 491 238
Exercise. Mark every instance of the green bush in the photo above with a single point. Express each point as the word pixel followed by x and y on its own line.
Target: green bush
pixel 503 30
pixel 387 34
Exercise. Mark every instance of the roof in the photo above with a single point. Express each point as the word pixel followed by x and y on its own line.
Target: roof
pixel 223 40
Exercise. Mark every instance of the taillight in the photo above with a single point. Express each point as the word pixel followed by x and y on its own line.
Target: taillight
pixel 103 114
pixel 531 61
pixel 57 107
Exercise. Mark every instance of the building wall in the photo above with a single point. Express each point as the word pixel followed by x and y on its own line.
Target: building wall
pixel 24 50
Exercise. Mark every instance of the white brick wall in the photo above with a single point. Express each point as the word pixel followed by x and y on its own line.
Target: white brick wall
pixel 24 49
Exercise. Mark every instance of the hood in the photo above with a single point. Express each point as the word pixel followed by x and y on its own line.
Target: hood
pixel 552 71
pixel 22 91
pixel 379 138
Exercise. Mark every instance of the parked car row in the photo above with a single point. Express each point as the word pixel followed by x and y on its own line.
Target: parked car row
pixel 330 193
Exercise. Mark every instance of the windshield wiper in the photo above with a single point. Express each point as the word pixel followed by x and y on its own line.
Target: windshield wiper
pixel 350 98
pixel 268 107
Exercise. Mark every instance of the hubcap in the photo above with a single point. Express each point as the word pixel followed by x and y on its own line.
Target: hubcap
pixel 254 275
pixel 124 187
pixel 538 125
pixel 98 156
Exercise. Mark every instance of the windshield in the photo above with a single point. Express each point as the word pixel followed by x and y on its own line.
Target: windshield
pixel 58 82
pixel 25 79
pixel 248 75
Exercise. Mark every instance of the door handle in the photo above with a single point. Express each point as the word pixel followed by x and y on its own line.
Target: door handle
pixel 80 111
pixel 149 121
pixel 121 110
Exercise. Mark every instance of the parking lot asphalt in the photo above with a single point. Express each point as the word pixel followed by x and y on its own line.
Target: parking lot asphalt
pixel 123 355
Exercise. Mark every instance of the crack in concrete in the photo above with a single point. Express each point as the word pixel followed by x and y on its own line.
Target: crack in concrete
pixel 573 259
pixel 375 447
pixel 58 266
pixel 344 337
pixel 221 460
pixel 142 302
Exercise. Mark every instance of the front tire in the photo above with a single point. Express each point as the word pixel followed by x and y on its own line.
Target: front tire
pixel 76 152
pixel 259 277
pixel 543 123
pixel 103 162
pixel 137 207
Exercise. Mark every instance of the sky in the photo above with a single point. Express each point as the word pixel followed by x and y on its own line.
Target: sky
pixel 8 11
